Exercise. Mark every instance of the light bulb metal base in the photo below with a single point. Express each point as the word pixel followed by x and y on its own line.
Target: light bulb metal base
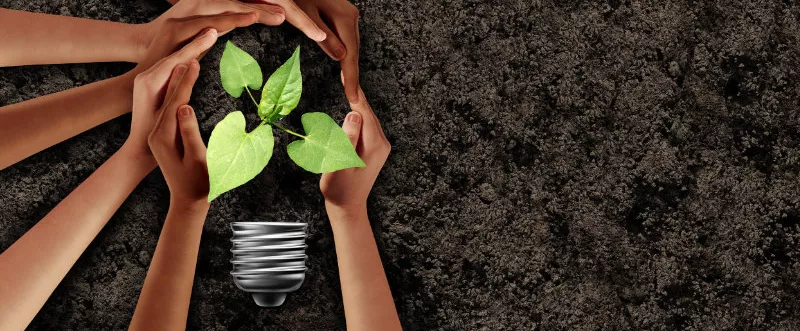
pixel 268 259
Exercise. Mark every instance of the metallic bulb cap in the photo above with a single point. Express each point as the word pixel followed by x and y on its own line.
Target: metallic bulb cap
pixel 269 259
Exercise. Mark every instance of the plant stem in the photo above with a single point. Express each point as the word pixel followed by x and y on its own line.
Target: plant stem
pixel 251 96
pixel 288 131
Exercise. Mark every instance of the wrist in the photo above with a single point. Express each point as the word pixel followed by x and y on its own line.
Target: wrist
pixel 189 206
pixel 124 84
pixel 137 155
pixel 189 216
pixel 139 37
pixel 346 213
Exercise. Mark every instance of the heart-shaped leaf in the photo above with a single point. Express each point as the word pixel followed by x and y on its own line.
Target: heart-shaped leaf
pixel 234 156
pixel 238 70
pixel 282 91
pixel 325 148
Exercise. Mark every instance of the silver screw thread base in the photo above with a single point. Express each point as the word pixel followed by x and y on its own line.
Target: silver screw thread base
pixel 268 259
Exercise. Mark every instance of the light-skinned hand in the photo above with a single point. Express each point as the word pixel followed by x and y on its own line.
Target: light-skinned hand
pixel 150 84
pixel 271 12
pixel 333 24
pixel 176 142
pixel 339 20
pixel 174 33
pixel 348 189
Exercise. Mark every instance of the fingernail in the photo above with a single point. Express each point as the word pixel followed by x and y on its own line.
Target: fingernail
pixel 321 35
pixel 353 117
pixel 339 52
pixel 210 33
pixel 184 112
pixel 180 69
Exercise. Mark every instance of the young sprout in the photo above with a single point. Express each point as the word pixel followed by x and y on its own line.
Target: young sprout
pixel 236 156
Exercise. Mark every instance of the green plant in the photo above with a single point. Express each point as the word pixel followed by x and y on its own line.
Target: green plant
pixel 236 156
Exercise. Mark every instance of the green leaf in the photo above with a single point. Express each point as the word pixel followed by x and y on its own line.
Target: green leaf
pixel 282 91
pixel 234 156
pixel 325 148
pixel 238 70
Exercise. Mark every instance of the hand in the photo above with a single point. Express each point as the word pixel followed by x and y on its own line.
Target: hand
pixel 343 42
pixel 149 89
pixel 173 33
pixel 348 189
pixel 340 41
pixel 270 12
pixel 152 74
pixel 176 143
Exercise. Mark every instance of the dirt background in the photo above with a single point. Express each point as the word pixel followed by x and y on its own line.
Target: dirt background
pixel 557 165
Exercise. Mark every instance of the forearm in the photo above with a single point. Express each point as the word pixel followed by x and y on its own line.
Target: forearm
pixel 368 303
pixel 34 265
pixel 33 125
pixel 34 38
pixel 164 301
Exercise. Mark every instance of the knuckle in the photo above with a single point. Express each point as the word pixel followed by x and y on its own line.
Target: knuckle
pixel 384 148
pixel 187 132
pixel 144 82
pixel 353 11
pixel 152 141
pixel 198 160
pixel 324 187
pixel 186 126
pixel 140 80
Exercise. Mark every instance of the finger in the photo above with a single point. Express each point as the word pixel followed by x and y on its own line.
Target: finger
pixel 352 127
pixel 193 146
pixel 193 50
pixel 165 127
pixel 347 30
pixel 222 22
pixel 268 14
pixel 174 79
pixel 184 89
pixel 372 129
pixel 331 45
pixel 298 18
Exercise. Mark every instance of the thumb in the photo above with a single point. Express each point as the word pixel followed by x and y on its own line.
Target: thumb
pixel 193 146
pixel 352 127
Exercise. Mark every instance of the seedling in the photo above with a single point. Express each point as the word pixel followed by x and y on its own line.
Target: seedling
pixel 236 156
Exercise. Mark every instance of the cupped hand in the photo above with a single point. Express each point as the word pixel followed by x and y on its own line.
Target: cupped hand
pixel 270 12
pixel 153 74
pixel 176 143
pixel 174 33
pixel 333 24
pixel 339 20
pixel 348 189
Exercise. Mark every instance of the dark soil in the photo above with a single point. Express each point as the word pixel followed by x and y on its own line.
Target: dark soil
pixel 556 165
